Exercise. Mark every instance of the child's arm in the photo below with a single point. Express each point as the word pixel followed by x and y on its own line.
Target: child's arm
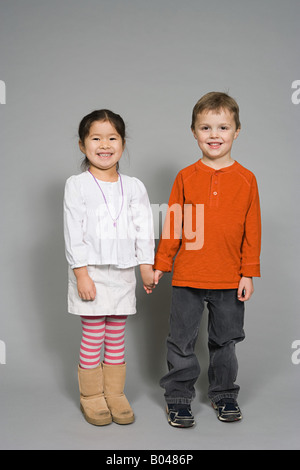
pixel 171 236
pixel 76 253
pixel 250 262
pixel 74 219
pixel 85 285
pixel 142 219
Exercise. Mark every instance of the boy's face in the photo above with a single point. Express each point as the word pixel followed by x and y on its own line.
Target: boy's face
pixel 215 133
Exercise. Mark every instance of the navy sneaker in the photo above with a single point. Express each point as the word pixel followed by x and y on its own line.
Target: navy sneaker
pixel 228 410
pixel 180 415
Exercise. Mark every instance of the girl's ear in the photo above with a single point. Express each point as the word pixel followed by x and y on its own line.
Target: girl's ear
pixel 81 146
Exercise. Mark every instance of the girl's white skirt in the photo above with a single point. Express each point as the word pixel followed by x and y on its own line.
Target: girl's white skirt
pixel 115 292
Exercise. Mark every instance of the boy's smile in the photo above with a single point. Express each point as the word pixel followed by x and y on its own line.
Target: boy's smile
pixel 215 133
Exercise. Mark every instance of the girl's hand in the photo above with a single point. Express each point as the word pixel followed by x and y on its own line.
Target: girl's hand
pixel 85 285
pixel 245 289
pixel 147 274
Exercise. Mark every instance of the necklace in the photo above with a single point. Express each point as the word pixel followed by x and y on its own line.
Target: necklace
pixel 116 219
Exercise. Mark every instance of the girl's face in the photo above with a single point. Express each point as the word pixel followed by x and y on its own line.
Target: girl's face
pixel 103 146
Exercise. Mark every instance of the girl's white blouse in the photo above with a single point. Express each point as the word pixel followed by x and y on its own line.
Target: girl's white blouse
pixel 89 231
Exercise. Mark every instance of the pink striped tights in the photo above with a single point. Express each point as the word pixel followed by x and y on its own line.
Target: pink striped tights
pixel 109 330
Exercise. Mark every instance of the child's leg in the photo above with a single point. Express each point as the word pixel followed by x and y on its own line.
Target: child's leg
pixel 93 332
pixel 114 370
pixel 184 369
pixel 225 329
pixel 90 373
pixel 114 342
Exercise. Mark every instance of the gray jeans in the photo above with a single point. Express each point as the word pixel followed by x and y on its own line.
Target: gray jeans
pixel 225 329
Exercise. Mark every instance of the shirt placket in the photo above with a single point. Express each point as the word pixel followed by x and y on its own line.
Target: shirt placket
pixel 214 189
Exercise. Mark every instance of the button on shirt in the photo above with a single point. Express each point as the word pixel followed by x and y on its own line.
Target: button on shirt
pixel 231 228
pixel 89 231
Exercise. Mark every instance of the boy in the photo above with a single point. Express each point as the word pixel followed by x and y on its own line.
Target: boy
pixel 216 266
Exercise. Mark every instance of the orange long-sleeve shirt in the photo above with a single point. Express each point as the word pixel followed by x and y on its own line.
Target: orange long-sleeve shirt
pixel 218 213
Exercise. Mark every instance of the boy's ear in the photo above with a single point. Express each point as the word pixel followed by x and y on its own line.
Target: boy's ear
pixel 237 133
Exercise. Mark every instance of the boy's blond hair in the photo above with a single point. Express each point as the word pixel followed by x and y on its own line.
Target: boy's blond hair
pixel 215 101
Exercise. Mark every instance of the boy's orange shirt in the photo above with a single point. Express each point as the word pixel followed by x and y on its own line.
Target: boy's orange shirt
pixel 230 229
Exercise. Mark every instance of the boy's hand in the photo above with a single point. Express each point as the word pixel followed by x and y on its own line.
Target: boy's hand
pixel 147 274
pixel 157 276
pixel 85 285
pixel 245 289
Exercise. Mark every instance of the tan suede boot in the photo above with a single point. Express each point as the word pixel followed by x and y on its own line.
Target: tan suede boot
pixel 92 401
pixel 114 382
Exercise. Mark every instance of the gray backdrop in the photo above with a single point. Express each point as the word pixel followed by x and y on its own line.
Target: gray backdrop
pixel 150 62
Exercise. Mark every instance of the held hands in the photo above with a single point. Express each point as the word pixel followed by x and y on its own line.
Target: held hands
pixel 150 277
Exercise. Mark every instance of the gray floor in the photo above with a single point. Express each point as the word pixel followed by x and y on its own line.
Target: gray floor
pixel 39 410
pixel 49 418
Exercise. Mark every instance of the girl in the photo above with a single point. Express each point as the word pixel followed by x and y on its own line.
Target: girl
pixel 108 230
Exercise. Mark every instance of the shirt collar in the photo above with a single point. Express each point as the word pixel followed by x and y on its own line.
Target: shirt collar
pixel 209 169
